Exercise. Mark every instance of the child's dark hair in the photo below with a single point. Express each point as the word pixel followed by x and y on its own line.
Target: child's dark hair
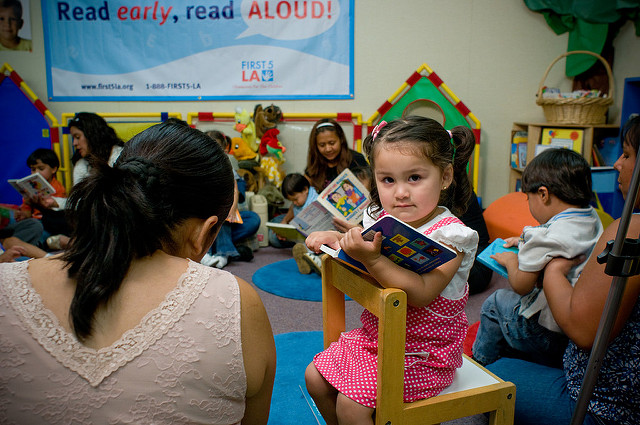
pixel 101 137
pixel 565 174
pixel 294 183
pixel 13 4
pixel 631 133
pixel 317 164
pixel 46 156
pixel 133 209
pixel 223 140
pixel 427 137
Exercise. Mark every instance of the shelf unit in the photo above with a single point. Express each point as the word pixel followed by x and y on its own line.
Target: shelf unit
pixel 592 133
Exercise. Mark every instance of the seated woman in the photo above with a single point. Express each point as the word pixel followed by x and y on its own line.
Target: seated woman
pixel 126 325
pixel 549 395
pixel 329 154
pixel 94 141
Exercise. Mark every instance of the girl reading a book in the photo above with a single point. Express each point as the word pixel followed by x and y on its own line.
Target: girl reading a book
pixel 419 177
pixel 329 154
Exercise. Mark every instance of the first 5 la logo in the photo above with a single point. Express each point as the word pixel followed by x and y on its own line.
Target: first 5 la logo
pixel 259 71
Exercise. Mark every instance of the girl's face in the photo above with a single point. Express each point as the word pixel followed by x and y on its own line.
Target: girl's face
pixel 328 144
pixel 409 184
pixel 44 169
pixel 80 142
pixel 624 165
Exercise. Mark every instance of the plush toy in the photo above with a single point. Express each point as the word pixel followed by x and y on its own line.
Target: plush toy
pixel 272 159
pixel 241 150
pixel 246 127
pixel 266 118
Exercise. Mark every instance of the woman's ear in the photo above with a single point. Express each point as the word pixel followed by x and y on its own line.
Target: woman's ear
pixel 202 237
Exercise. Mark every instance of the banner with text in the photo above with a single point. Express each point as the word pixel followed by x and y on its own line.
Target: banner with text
pixel 198 49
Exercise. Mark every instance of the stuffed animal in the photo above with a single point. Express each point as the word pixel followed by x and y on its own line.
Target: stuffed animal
pixel 241 150
pixel 266 118
pixel 246 127
pixel 272 159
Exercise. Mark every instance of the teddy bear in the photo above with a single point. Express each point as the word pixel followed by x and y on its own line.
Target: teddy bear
pixel 266 118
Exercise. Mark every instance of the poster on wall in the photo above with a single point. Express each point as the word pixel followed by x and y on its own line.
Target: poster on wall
pixel 198 50
pixel 15 26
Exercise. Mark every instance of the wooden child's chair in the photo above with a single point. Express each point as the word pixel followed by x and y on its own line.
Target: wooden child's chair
pixel 474 389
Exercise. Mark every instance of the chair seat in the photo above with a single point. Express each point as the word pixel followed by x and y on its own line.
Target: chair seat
pixel 469 376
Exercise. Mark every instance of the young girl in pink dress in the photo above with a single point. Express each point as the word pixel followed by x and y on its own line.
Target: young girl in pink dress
pixel 420 177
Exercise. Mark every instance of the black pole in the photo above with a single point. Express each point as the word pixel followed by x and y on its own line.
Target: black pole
pixel 620 266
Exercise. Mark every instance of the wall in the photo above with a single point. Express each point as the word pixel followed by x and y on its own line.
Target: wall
pixel 491 53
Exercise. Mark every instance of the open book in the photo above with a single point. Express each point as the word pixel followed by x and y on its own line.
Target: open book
pixel 494 247
pixel 32 185
pixel 345 197
pixel 403 245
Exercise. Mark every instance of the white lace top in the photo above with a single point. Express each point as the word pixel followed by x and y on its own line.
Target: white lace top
pixel 181 364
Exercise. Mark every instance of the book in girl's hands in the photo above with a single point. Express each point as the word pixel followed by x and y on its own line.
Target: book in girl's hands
pixel 32 185
pixel 495 247
pixel 403 245
pixel 345 197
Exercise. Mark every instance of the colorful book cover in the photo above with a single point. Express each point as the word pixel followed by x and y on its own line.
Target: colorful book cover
pixel 514 155
pixel 563 138
pixel 403 245
pixel 495 247
pixel 32 185
pixel 519 149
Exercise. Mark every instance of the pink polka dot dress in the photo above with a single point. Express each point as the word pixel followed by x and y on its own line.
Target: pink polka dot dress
pixel 435 333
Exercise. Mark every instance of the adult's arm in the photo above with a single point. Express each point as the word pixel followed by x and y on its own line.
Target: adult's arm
pixel 259 353
pixel 578 309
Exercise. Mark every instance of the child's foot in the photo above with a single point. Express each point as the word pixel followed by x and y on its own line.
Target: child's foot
pixel 217 261
pixel 299 251
pixel 57 242
pixel 314 261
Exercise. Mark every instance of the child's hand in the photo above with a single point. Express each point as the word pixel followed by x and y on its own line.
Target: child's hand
pixel 316 239
pixel 48 202
pixel 364 251
pixel 43 202
pixel 506 258
pixel 342 225
pixel 512 241
pixel 20 215
pixel 11 254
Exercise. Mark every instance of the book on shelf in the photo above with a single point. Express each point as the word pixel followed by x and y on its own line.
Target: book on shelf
pixel 345 197
pixel 495 247
pixel 32 185
pixel 402 244
pixel 519 149
pixel 563 138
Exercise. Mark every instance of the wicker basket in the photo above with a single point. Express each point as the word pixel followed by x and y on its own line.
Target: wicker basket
pixel 586 110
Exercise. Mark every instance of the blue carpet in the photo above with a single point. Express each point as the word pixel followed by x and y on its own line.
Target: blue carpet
pixel 283 278
pixel 291 403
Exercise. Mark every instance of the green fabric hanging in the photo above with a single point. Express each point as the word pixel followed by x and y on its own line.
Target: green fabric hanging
pixel 587 22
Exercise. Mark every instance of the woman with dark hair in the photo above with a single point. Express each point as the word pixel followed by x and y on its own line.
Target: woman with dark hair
pixel 93 140
pixel 329 154
pixel 126 325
